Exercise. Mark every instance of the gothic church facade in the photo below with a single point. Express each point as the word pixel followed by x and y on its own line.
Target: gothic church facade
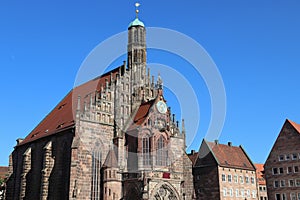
pixel 110 138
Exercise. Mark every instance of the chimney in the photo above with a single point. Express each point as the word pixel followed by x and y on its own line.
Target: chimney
pixel 216 141
pixel 19 140
pixel 193 151
pixel 230 144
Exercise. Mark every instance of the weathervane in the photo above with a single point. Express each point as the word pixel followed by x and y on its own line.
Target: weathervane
pixel 137 5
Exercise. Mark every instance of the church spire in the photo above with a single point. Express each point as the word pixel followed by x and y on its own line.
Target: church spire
pixel 136 22
pixel 136 50
pixel 137 5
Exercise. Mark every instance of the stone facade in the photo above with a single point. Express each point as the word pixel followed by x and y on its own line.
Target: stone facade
pixel 41 168
pixel 283 164
pixel 110 138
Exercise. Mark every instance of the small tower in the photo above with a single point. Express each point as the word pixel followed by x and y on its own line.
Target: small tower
pixel 136 51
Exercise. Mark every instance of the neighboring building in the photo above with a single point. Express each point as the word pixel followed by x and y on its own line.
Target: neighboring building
pixel 261 182
pixel 223 172
pixel 283 164
pixel 3 172
pixel 3 177
pixel 110 138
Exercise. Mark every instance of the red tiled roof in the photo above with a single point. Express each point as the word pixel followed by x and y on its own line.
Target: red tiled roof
pixel 259 174
pixel 63 115
pixel 141 114
pixel 3 172
pixel 295 125
pixel 231 156
pixel 193 157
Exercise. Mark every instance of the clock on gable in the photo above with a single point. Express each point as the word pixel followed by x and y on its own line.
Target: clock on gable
pixel 161 107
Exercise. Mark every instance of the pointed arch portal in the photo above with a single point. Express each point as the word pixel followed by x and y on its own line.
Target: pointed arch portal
pixel 164 191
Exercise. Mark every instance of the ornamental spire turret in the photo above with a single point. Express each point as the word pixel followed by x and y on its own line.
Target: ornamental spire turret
pixel 136 51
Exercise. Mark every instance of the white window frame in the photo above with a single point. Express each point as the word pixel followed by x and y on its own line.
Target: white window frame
pixel 279 170
pixel 283 196
pixel 282 181
pixel 242 193
pixel 241 179
pixel 294 154
pixel 247 179
pixel 274 184
pixel 292 182
pixel 295 169
pixel 223 177
pixel 248 193
pixel 230 192
pixel 281 159
pixel 237 193
pixel 236 178
pixel 297 180
pixel 287 170
pixel 275 168
pixel 229 178
pixel 224 192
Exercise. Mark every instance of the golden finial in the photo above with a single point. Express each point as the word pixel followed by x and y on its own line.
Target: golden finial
pixel 137 5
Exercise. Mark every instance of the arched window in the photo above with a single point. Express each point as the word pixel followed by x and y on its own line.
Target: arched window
pixel 122 98
pixel 161 153
pixel 143 57
pixel 135 55
pixel 96 165
pixel 135 36
pixel 146 150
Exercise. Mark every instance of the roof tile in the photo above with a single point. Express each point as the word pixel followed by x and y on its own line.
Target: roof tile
pixel 63 115
pixel 231 156
pixel 295 125
pixel 260 174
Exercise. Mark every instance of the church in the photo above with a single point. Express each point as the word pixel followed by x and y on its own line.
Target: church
pixel 111 138
pixel 115 138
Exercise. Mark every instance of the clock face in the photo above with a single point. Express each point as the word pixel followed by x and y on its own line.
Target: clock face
pixel 161 107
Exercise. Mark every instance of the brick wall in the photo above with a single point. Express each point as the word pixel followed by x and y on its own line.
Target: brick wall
pixel 206 182
pixel 281 159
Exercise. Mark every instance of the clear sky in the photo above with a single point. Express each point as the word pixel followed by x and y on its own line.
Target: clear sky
pixel 255 45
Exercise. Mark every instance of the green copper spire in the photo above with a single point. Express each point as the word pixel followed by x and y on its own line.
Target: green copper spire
pixel 136 22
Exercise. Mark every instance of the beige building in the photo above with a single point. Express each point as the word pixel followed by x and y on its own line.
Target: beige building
pixel 261 182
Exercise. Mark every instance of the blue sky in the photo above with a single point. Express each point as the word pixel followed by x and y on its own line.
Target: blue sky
pixel 254 44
